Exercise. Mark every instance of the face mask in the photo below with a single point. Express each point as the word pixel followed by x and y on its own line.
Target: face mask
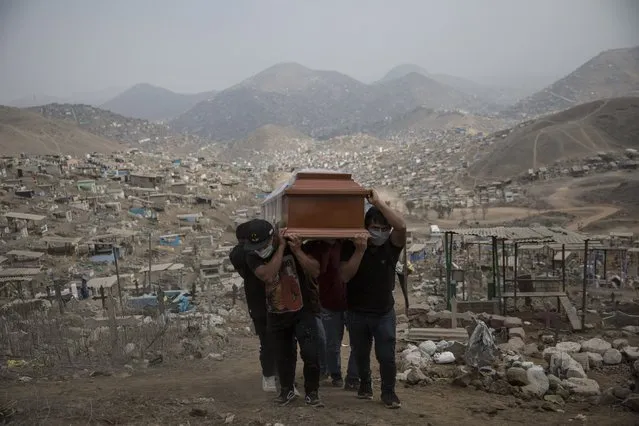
pixel 378 237
pixel 265 252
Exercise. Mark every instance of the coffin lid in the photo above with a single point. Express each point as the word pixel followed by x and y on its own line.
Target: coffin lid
pixel 314 183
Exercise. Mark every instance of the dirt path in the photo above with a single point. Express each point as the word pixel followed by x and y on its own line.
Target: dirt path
pixel 208 392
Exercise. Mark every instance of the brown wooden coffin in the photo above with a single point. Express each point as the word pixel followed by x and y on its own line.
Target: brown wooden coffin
pixel 324 205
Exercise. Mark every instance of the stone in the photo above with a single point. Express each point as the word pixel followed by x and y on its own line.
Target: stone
pixel 538 383
pixel 632 329
pixel 553 381
pixel 612 357
pixel 215 357
pixel 594 360
pixel 631 353
pixel 129 348
pixel 595 345
pixel 517 376
pixel 512 322
pixel 458 350
pixel 635 368
pixel 531 349
pixel 621 392
pixel 582 386
pixel 582 358
pixel 497 321
pixel 463 377
pixel 442 345
pixel 568 347
pixel 555 399
pixel 548 339
pixel 563 365
pixel 527 364
pixel 428 347
pixel 514 344
pixel 517 332
pixel 619 343
pixel 632 403
pixel 402 319
pixel 549 352
pixel 415 376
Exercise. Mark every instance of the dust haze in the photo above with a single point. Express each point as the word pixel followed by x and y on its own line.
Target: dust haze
pixel 87 50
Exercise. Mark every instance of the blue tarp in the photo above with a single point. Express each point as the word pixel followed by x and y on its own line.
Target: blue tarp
pixel 102 258
pixel 173 241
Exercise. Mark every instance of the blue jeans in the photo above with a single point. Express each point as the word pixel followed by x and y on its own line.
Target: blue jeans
pixel 334 323
pixel 363 329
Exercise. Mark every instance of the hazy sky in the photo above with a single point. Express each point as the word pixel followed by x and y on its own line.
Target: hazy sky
pixel 60 47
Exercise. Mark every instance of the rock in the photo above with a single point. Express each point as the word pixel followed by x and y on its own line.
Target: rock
pixel 538 383
pixel 428 348
pixel 517 376
pixel 632 403
pixel 548 339
pixel 402 319
pixel 229 418
pixel 514 344
pixel 635 368
pixel 444 358
pixel 527 364
pixel 563 365
pixel 215 357
pixel 612 357
pixel 512 322
pixel 594 360
pixel 562 392
pixel 457 349
pixel 497 321
pixel 549 352
pixel 415 358
pixel 442 345
pixel 596 345
pixel 531 349
pixel 553 381
pixel 621 392
pixel 129 348
pixel 555 399
pixel 517 332
pixel 463 378
pixel 633 329
pixel 582 358
pixel 568 347
pixel 582 386
pixel 619 343
pixel 415 376
pixel 630 353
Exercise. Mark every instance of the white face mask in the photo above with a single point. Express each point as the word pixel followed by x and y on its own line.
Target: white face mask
pixel 265 252
pixel 378 238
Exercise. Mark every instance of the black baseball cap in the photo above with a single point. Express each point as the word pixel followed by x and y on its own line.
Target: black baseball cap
pixel 242 230
pixel 259 233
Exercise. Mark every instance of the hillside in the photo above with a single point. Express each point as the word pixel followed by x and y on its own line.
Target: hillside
pixel 153 103
pixel 267 139
pixel 610 74
pixel 26 132
pixel 485 93
pixel 423 119
pixel 578 132
pixel 317 103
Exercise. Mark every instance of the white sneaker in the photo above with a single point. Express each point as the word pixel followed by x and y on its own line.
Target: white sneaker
pixel 268 384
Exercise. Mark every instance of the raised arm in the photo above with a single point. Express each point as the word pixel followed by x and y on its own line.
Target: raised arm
pixel 308 263
pixel 268 271
pixel 350 264
pixel 398 236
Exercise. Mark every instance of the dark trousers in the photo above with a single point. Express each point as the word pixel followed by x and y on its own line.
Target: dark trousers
pixel 303 327
pixel 334 323
pixel 267 346
pixel 363 329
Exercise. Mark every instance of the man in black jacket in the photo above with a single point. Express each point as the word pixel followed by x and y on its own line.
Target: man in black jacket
pixel 255 293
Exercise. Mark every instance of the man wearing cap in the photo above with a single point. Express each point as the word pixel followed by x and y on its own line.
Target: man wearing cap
pixel 256 303
pixel 286 272
pixel 368 268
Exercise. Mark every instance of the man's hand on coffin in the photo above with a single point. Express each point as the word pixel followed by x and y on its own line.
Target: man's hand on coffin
pixel 373 198
pixel 294 241
pixel 361 241
pixel 281 238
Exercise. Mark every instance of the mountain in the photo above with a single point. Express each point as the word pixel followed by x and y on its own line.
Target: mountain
pixel 112 126
pixel 89 98
pixel 317 103
pixel 153 103
pixel 489 94
pixel 423 119
pixel 612 73
pixel 609 125
pixel 30 101
pixel 22 131
pixel 267 139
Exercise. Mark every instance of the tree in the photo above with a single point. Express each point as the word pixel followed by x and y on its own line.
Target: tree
pixel 473 210
pixel 484 211
pixel 410 206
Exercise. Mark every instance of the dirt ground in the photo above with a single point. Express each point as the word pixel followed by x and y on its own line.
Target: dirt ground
pixel 210 392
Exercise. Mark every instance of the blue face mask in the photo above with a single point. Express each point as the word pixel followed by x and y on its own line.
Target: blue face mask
pixel 378 237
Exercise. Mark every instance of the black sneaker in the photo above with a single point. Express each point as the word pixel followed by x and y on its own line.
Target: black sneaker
pixel 313 399
pixel 285 397
pixel 351 385
pixel 337 382
pixel 391 400
pixel 365 391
